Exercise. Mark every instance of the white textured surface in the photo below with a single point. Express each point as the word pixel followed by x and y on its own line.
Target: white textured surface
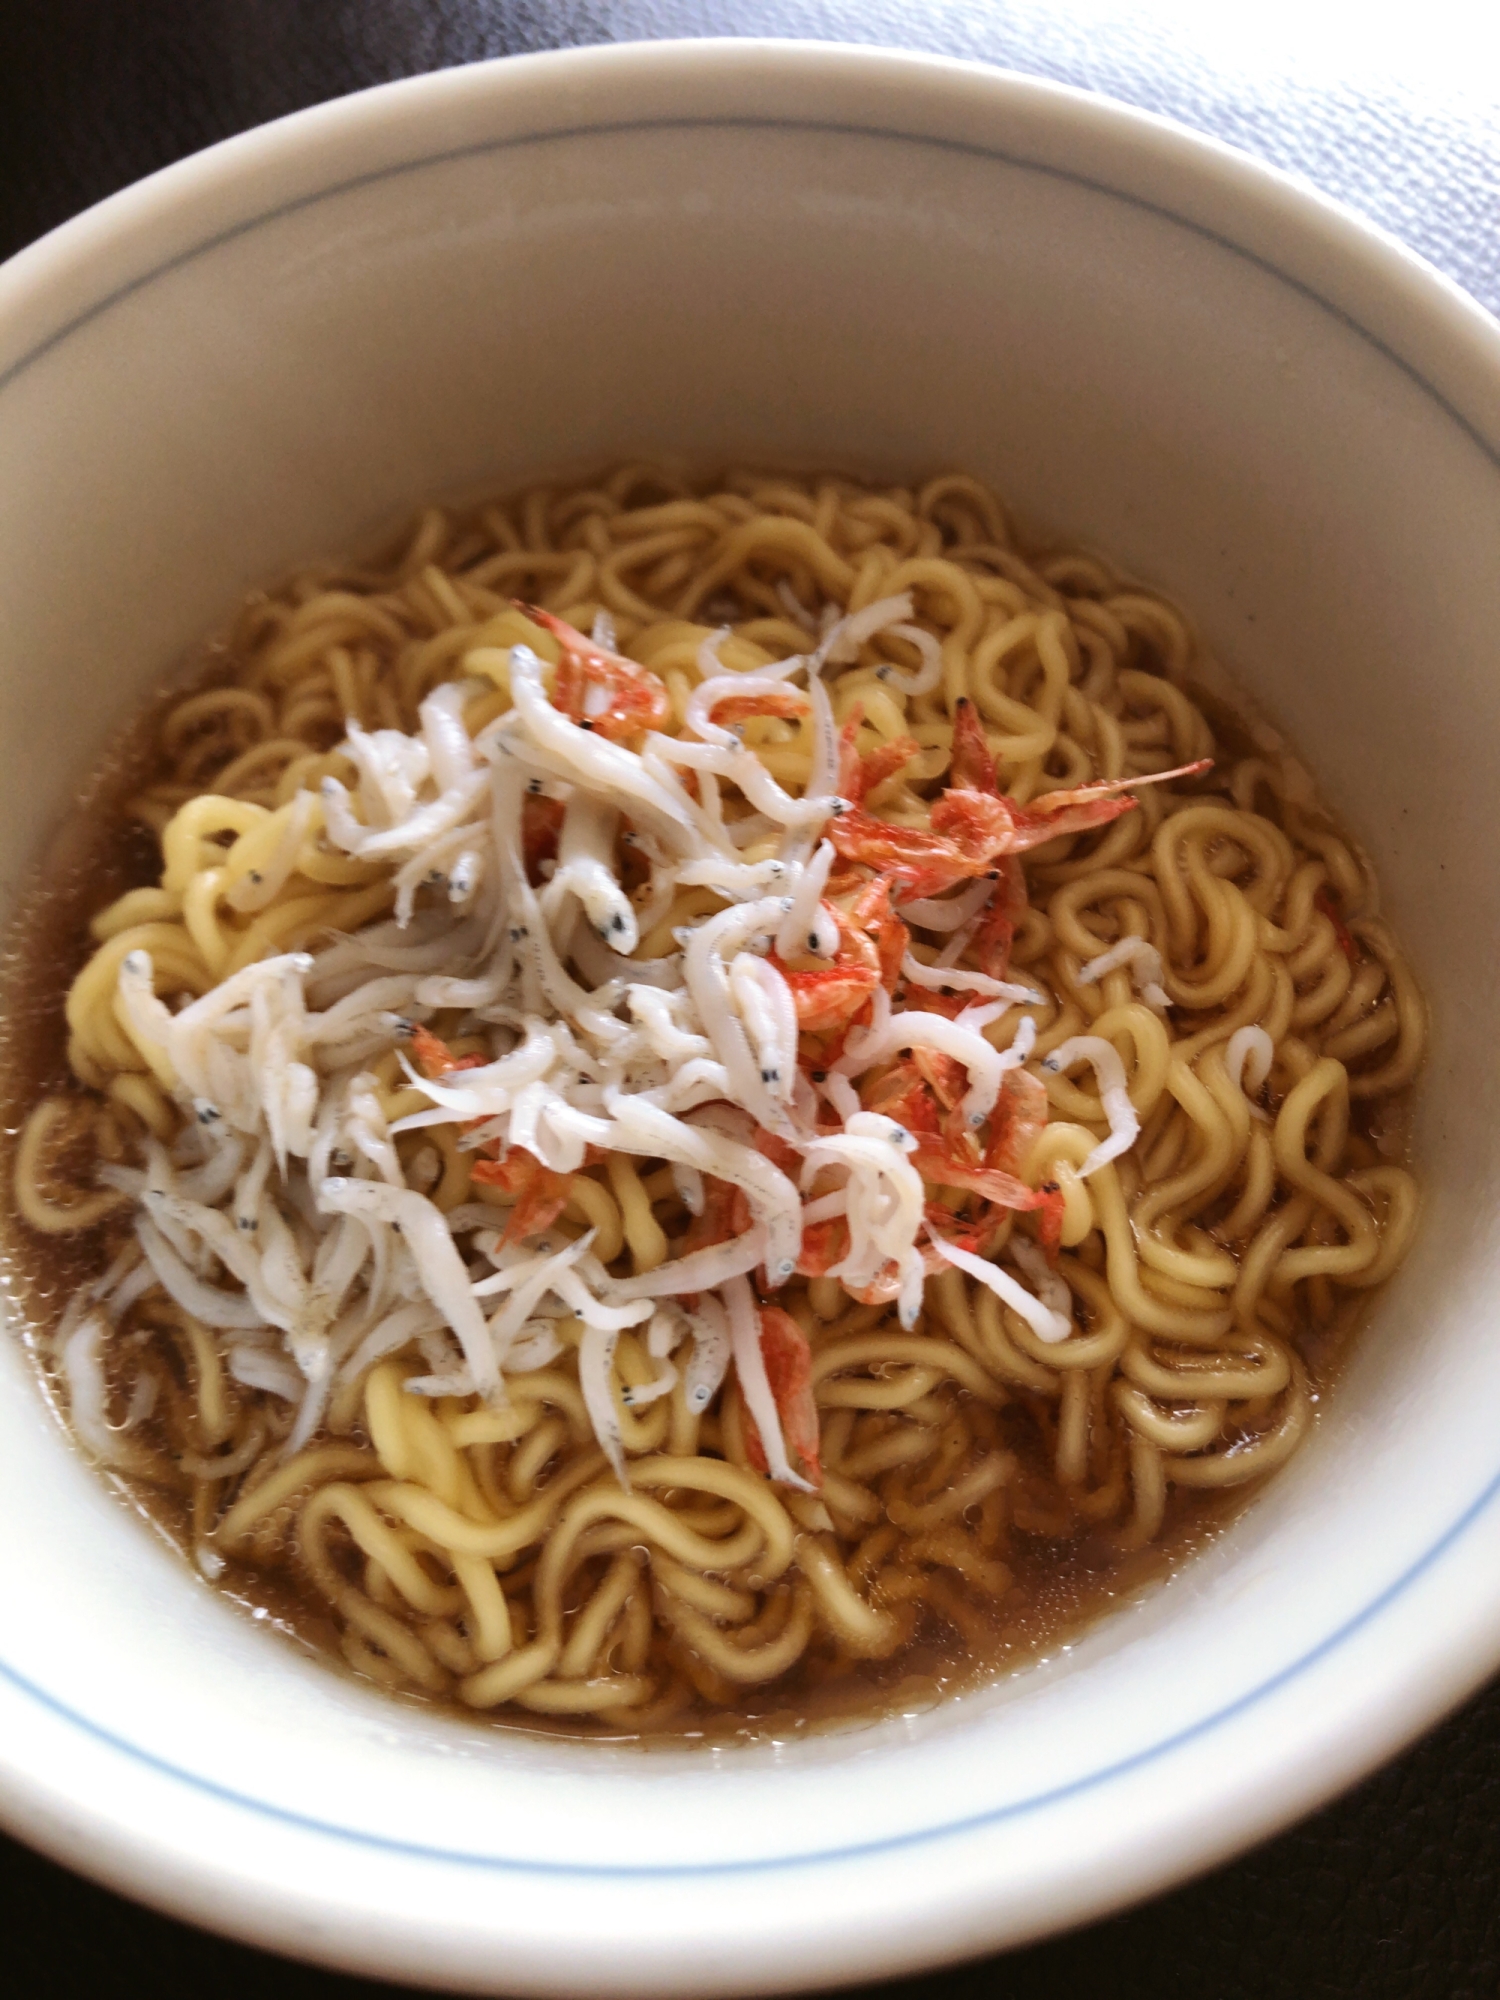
pixel 1393 108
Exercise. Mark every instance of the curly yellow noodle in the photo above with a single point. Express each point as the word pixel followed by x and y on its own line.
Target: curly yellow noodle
pixel 323 1463
pixel 485 1552
pixel 50 1217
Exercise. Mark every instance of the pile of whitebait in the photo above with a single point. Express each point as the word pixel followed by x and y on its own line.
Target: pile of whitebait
pixel 281 1214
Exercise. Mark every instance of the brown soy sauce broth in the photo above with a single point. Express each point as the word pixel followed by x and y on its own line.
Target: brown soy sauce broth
pixel 99 853
pixel 1066 1578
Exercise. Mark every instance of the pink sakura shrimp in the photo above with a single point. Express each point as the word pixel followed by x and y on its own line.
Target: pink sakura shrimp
pixel 598 689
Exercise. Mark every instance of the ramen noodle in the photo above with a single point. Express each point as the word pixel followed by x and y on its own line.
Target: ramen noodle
pixel 696 1082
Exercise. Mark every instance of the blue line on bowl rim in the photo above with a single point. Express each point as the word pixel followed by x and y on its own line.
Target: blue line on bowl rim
pixel 973 1821
pixel 886 1844
pixel 516 142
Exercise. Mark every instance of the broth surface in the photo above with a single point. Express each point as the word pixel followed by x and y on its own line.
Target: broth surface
pixel 1065 1569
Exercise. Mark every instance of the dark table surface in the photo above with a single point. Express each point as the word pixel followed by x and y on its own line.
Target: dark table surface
pixel 1391 1893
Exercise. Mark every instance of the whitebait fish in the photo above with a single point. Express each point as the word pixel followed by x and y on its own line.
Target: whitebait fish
pixel 709 1089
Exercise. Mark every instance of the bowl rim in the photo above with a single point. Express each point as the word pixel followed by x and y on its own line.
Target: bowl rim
pixel 1457 346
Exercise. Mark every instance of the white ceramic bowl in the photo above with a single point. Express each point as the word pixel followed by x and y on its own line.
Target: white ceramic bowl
pixel 828 256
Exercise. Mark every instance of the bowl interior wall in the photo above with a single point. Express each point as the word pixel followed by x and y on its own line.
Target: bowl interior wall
pixel 813 297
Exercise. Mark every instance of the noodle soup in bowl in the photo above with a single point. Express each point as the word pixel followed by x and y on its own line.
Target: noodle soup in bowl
pixel 523 273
